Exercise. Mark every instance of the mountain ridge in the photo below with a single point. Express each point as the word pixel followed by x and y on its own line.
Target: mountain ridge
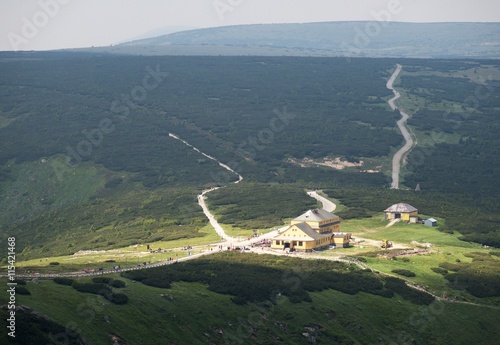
pixel 352 39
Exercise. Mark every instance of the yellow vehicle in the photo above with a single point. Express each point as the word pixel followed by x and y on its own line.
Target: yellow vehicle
pixel 386 244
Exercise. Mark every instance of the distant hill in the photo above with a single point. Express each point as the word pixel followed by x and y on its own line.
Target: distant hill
pixel 353 39
pixel 158 32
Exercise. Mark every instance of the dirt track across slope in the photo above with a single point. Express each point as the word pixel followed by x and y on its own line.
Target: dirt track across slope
pixel 410 143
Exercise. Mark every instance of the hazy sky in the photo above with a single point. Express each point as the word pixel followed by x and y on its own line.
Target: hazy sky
pixel 52 24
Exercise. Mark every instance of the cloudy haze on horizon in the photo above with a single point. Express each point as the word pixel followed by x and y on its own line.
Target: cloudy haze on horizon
pixel 55 24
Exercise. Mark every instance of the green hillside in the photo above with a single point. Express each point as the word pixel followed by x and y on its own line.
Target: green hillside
pixel 377 38
pixel 112 220
pixel 190 312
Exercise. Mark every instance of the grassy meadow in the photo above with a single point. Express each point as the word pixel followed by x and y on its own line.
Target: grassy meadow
pixel 441 248
pixel 192 314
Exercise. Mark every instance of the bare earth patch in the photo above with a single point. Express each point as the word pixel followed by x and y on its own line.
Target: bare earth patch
pixel 376 243
pixel 404 253
pixel 335 163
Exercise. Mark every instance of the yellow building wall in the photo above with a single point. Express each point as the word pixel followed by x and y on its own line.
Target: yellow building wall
pixel 332 228
pixel 312 244
pixel 292 233
pixel 276 246
pixel 309 245
pixel 306 245
pixel 289 235
pixel 316 225
pixel 406 216
pixel 341 241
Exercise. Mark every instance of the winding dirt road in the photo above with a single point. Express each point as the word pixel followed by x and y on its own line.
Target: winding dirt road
pixel 396 160
pixel 328 205
pixel 240 178
pixel 211 218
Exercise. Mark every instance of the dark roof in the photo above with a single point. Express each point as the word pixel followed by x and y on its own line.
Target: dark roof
pixel 307 229
pixel 401 208
pixel 316 215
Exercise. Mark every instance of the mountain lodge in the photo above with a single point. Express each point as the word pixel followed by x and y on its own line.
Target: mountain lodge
pixel 315 229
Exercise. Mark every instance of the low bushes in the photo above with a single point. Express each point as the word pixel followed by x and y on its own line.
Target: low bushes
pixel 22 290
pixel 117 284
pixel 102 290
pixel 257 278
pixel 63 281
pixel 101 286
pixel 403 272
pixel 95 288
pixel 439 270
pixel 480 277
pixel 35 328
pixel 102 280
pixel 408 293
pixel 117 298
pixel 109 281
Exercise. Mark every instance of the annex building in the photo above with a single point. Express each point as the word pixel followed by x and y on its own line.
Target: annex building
pixel 402 211
pixel 315 229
